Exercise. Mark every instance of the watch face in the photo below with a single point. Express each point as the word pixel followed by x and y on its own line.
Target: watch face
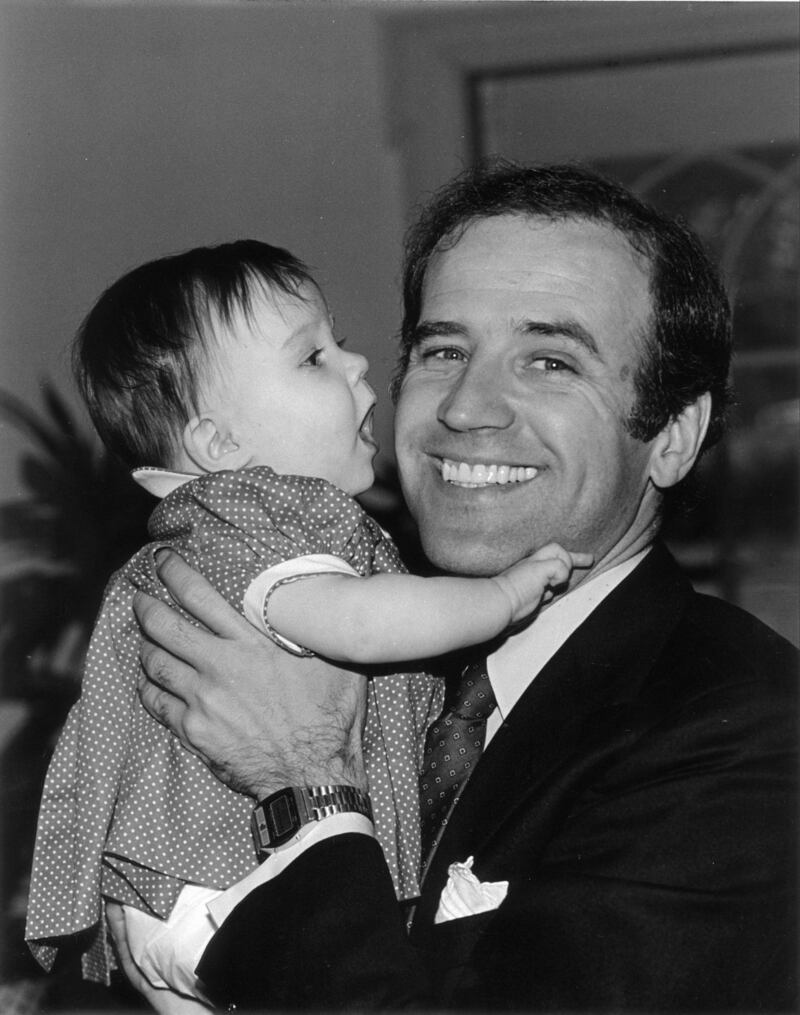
pixel 282 817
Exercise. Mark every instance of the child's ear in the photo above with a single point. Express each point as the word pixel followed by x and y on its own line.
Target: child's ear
pixel 676 448
pixel 209 445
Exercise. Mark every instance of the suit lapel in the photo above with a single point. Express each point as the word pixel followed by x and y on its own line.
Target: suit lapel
pixel 575 700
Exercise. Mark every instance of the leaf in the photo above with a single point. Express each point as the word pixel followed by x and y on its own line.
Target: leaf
pixel 25 420
pixel 80 519
pixel 59 411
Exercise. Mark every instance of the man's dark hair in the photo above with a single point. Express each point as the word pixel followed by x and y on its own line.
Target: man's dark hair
pixel 688 345
pixel 139 355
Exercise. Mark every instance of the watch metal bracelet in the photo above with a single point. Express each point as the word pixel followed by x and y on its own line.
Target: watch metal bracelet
pixel 279 819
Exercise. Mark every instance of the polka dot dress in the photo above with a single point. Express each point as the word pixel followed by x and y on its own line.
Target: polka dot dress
pixel 126 811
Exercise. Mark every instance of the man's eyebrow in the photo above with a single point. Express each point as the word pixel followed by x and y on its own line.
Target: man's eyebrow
pixel 435 329
pixel 568 329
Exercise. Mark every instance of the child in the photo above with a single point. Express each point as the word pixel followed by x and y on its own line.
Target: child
pixel 218 368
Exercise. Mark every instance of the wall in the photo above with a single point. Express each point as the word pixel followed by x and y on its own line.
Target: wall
pixel 132 130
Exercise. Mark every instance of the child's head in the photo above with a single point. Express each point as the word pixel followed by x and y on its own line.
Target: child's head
pixel 224 357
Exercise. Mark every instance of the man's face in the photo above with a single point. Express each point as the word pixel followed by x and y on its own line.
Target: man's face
pixel 510 424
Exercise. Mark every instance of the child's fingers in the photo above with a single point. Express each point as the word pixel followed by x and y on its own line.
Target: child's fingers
pixel 555 570
pixel 538 578
pixel 570 559
pixel 553 551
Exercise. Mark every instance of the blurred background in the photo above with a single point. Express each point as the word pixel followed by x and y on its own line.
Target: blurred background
pixel 131 130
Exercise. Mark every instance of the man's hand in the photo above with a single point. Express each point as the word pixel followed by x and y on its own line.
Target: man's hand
pixel 260 718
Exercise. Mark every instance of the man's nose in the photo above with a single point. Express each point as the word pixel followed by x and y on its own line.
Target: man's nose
pixel 477 399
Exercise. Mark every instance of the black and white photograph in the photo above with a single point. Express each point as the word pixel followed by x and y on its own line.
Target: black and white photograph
pixel 399 559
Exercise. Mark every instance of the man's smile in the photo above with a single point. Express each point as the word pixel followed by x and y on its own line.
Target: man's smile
pixel 484 474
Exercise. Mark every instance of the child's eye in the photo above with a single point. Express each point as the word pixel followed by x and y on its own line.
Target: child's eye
pixel 314 360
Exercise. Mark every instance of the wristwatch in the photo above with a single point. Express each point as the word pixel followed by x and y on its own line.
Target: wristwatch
pixel 282 818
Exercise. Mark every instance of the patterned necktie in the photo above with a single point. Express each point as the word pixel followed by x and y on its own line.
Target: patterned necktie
pixel 452 748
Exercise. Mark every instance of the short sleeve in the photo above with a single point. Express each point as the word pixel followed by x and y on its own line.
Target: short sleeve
pixel 233 526
pixel 258 592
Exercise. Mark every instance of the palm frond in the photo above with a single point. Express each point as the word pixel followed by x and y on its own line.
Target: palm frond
pixel 80 518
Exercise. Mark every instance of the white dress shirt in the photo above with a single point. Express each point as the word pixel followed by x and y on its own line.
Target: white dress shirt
pixel 523 656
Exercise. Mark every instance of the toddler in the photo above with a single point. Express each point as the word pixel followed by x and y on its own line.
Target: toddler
pixel 218 370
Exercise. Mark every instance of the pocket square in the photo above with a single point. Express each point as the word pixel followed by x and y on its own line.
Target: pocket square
pixel 465 895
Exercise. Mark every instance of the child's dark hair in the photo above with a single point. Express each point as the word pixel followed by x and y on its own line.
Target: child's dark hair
pixel 137 357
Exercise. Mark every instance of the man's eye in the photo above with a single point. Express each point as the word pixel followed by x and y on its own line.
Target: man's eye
pixel 550 364
pixel 446 353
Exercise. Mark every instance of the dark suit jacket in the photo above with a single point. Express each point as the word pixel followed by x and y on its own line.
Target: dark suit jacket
pixel 641 802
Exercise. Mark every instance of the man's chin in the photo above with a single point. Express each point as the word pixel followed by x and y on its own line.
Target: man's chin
pixel 458 554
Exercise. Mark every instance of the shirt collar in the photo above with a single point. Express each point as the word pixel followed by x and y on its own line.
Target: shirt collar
pixel 522 656
pixel 160 482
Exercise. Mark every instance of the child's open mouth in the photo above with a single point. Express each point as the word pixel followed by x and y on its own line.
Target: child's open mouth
pixel 365 430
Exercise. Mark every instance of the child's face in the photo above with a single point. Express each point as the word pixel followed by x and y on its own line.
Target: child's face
pixel 290 396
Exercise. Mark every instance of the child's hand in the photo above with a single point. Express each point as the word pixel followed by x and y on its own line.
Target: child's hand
pixel 534 580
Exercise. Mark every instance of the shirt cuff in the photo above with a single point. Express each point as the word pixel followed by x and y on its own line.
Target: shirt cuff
pixel 168 951
pixel 336 824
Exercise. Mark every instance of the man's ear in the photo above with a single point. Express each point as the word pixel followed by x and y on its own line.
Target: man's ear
pixel 676 448
pixel 210 445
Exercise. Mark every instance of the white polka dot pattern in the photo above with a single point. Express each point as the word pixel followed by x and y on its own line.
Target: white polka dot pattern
pixel 126 811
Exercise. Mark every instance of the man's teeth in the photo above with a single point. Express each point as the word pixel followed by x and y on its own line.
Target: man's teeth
pixel 485 475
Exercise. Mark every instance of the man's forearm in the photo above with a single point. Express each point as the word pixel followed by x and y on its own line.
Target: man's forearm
pixel 327 933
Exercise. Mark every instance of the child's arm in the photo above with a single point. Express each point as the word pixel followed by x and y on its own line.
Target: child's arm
pixel 389 618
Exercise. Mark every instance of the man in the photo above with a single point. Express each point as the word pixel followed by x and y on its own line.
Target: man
pixel 565 355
